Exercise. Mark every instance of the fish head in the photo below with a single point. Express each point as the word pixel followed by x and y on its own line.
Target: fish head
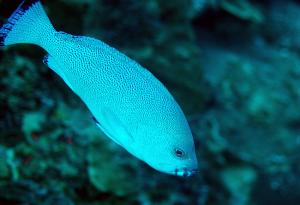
pixel 165 143
pixel 177 160
pixel 171 150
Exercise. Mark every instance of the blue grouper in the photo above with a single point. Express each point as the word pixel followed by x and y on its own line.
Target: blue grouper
pixel 128 103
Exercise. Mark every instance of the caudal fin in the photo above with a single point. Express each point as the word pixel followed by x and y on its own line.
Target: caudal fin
pixel 28 24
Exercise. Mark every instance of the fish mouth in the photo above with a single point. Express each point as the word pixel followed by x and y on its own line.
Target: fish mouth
pixel 185 172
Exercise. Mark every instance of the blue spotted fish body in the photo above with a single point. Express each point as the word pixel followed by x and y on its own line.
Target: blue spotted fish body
pixel 128 103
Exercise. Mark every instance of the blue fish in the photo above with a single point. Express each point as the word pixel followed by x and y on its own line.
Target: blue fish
pixel 128 103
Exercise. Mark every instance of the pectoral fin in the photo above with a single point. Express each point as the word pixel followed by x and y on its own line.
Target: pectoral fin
pixel 113 127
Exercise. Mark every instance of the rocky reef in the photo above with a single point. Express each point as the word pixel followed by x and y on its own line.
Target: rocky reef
pixel 233 66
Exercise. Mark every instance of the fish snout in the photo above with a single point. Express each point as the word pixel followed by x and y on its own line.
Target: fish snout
pixel 185 172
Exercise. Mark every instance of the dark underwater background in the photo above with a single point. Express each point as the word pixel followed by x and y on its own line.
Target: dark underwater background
pixel 233 66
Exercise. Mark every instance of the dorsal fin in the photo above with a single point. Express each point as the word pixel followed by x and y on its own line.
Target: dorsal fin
pixel 81 40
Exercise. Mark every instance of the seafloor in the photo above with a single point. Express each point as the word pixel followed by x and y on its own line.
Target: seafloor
pixel 233 66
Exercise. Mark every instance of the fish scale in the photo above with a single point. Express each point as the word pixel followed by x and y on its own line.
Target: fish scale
pixel 128 103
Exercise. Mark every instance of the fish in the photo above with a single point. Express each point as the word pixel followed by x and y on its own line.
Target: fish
pixel 128 103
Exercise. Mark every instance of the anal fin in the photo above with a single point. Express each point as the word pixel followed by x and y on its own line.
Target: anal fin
pixel 55 66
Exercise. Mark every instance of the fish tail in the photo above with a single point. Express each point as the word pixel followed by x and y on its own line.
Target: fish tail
pixel 28 24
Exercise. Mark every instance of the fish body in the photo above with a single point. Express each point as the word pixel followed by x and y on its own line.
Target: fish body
pixel 128 103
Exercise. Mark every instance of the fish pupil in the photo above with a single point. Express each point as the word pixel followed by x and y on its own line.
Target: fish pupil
pixel 179 152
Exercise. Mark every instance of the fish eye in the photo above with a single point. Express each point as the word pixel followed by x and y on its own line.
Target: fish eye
pixel 179 152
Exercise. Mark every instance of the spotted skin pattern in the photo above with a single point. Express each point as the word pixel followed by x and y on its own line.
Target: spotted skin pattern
pixel 128 103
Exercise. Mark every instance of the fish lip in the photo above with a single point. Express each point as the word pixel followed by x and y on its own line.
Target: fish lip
pixel 185 172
